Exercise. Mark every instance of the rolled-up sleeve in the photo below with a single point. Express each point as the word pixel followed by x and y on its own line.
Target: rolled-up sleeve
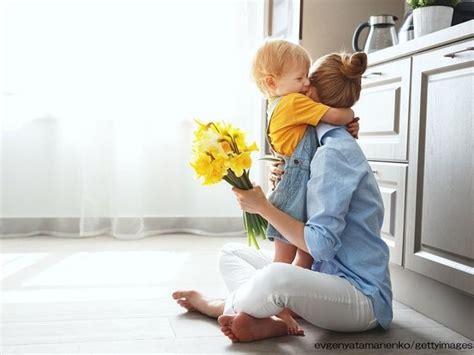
pixel 329 194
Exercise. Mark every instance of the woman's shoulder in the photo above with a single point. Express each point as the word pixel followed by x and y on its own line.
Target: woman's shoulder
pixel 339 142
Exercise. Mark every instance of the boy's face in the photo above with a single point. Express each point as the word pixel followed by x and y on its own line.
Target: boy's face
pixel 293 81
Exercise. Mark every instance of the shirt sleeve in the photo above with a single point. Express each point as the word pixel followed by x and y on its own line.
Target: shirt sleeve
pixel 330 189
pixel 307 111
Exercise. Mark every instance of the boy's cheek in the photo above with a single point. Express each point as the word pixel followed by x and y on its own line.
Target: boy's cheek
pixel 310 92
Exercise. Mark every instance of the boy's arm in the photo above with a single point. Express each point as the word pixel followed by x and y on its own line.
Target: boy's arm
pixel 338 116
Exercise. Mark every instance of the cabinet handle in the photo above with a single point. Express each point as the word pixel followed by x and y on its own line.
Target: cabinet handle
pixel 374 172
pixel 452 55
pixel 375 73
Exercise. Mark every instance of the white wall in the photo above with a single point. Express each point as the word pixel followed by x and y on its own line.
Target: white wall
pixel 328 25
pixel 99 63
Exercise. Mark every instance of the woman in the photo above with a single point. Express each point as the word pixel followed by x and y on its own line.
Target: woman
pixel 348 288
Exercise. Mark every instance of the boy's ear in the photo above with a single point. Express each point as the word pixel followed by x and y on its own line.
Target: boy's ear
pixel 270 82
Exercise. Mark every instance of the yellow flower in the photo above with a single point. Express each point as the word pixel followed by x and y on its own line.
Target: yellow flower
pixel 226 146
pixel 252 148
pixel 239 139
pixel 209 142
pixel 218 169
pixel 219 127
pixel 239 163
pixel 202 129
pixel 202 165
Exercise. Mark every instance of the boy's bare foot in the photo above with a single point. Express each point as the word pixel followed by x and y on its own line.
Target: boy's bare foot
pixel 244 328
pixel 194 301
pixel 293 326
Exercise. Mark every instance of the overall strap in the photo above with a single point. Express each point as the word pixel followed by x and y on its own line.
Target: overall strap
pixel 272 107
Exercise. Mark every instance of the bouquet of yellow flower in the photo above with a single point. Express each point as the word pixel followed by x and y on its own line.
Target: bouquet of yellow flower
pixel 221 153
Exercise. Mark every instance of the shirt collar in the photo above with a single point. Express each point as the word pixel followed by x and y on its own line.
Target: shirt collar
pixel 322 128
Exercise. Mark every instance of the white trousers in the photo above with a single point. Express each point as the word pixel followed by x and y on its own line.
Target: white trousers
pixel 262 289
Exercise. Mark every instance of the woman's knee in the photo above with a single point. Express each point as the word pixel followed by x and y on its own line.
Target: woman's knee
pixel 278 277
pixel 228 251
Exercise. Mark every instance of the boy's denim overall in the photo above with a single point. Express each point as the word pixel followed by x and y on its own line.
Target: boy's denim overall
pixel 289 195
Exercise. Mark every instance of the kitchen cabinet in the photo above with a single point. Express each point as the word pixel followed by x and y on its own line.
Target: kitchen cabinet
pixel 417 133
pixel 391 178
pixel 384 109
pixel 416 129
pixel 383 105
pixel 440 215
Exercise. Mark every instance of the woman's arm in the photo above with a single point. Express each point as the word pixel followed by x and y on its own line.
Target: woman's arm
pixel 329 195
pixel 254 201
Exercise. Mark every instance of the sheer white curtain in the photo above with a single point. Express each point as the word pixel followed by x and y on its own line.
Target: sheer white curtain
pixel 97 108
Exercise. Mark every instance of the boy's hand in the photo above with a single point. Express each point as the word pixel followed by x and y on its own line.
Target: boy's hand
pixel 353 127
pixel 275 173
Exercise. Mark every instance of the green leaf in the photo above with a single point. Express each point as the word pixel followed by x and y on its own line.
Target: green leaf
pixel 414 4
pixel 270 158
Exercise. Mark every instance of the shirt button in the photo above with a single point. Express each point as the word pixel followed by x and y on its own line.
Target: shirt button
pixel 296 161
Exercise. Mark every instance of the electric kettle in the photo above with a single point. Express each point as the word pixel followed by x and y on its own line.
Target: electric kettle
pixel 381 33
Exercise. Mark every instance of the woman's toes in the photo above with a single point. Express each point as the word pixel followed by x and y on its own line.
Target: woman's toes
pixel 183 294
pixel 295 330
pixel 178 294
pixel 225 320
pixel 299 332
pixel 225 328
pixel 185 304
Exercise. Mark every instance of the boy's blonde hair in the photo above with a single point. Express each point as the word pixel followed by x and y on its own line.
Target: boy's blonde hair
pixel 337 78
pixel 276 57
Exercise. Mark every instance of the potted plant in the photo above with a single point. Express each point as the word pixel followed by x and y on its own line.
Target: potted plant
pixel 431 15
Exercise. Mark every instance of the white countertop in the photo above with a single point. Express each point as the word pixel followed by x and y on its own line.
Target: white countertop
pixel 436 39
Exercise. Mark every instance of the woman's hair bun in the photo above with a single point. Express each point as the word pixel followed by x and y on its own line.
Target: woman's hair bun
pixel 353 66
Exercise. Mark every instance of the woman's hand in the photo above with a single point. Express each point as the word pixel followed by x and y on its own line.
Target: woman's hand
pixel 275 173
pixel 353 127
pixel 252 201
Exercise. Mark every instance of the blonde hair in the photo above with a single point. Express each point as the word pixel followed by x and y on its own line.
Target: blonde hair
pixel 337 78
pixel 274 58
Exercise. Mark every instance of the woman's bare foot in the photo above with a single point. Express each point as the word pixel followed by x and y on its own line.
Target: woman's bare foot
pixel 293 326
pixel 194 301
pixel 244 328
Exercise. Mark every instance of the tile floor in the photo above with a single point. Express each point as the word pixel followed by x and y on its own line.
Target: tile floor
pixel 102 295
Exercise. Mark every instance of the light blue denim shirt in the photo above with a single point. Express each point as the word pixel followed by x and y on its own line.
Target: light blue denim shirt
pixel 345 215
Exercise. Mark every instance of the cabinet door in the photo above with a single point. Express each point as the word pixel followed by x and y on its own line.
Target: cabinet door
pixel 383 111
pixel 391 178
pixel 440 195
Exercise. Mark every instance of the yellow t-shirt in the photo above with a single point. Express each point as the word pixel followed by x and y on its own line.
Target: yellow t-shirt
pixel 289 120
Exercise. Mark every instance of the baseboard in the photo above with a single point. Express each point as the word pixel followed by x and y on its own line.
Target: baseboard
pixel 444 304
pixel 122 228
